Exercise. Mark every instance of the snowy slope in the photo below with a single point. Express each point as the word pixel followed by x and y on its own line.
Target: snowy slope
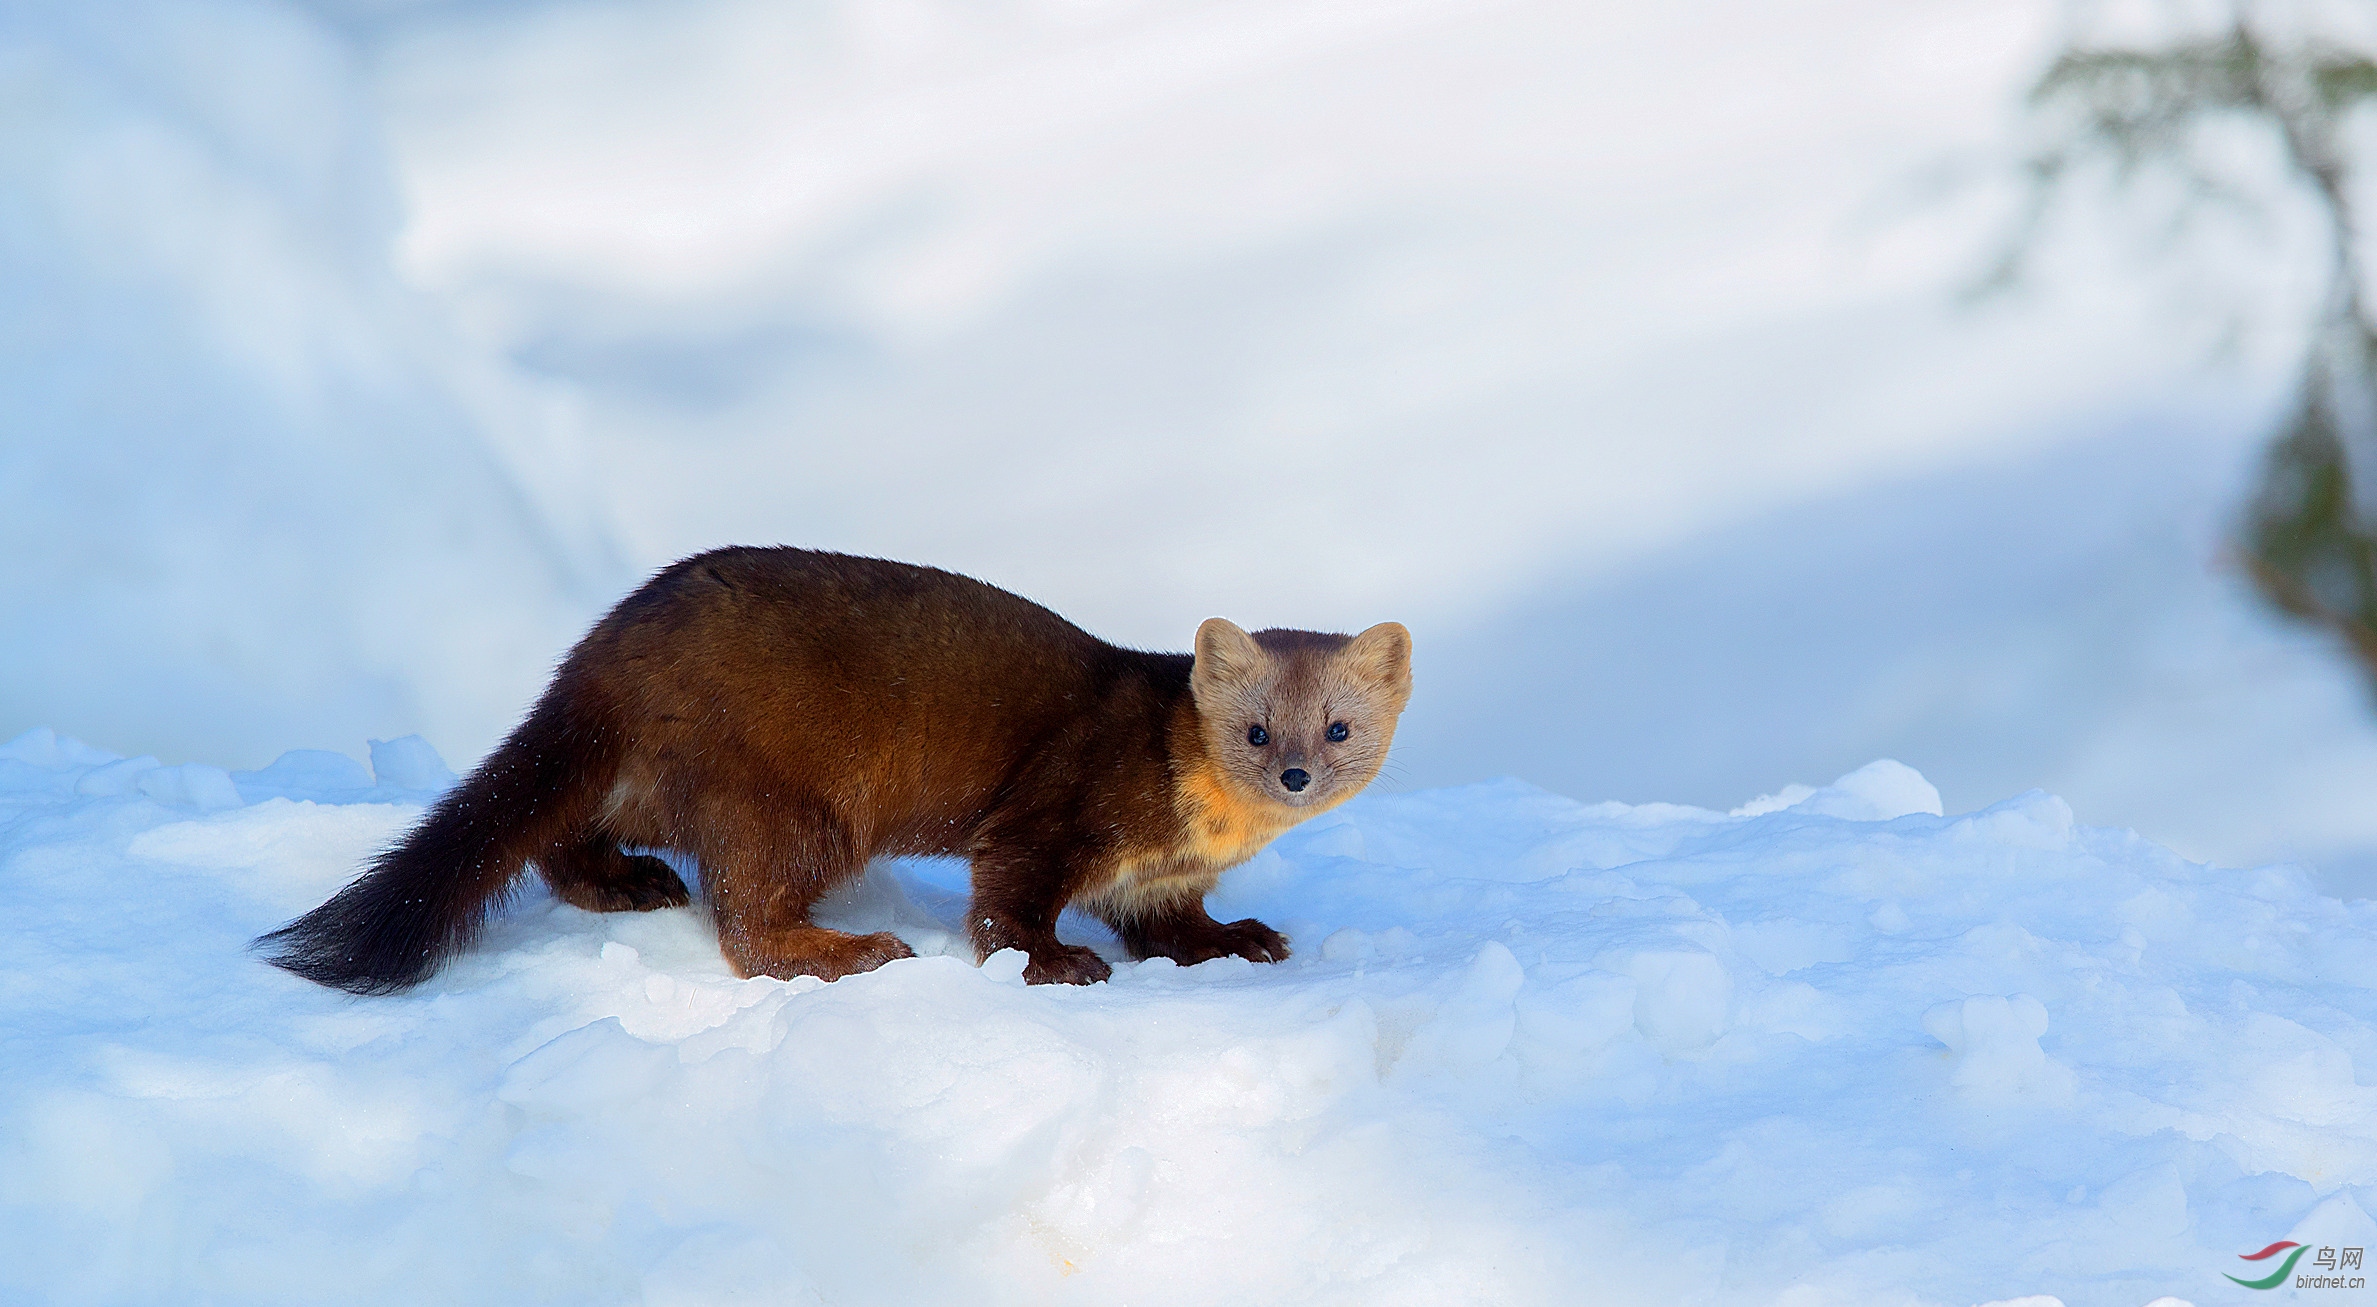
pixel 2065 620
pixel 338 319
pixel 1833 1047
pixel 364 351
pixel 253 493
pixel 1295 310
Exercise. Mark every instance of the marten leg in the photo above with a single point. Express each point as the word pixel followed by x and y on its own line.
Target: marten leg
pixel 1016 901
pixel 762 871
pixel 590 871
pixel 1184 932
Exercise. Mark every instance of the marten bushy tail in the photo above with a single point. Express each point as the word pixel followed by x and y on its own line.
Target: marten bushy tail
pixel 424 900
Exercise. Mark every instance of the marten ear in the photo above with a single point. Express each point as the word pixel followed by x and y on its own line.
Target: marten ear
pixel 1382 657
pixel 1226 656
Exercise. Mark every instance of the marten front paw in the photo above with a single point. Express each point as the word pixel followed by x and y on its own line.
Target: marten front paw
pixel 1249 939
pixel 1065 964
pixel 1254 941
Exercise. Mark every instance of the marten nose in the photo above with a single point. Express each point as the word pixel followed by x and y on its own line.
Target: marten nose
pixel 1295 778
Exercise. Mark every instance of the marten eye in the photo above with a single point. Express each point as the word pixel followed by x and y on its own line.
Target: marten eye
pixel 1338 732
pixel 1257 736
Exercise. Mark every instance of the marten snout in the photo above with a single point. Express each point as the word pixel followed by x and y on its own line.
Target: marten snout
pixel 1295 779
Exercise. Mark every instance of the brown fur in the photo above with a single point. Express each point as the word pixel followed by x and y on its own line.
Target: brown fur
pixel 783 716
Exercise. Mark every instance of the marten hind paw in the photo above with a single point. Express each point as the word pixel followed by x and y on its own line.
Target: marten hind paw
pixel 636 883
pixel 1065 964
pixel 651 884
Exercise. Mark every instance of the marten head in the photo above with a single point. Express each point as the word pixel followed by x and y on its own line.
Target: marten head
pixel 1299 718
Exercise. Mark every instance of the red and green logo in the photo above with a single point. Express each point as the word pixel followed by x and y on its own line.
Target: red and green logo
pixel 2285 1268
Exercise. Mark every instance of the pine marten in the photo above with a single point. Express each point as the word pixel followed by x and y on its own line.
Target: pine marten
pixel 783 715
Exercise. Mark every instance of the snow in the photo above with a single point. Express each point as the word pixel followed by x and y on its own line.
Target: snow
pixel 249 479
pixel 366 352
pixel 1831 1046
pixel 341 319
pixel 2071 621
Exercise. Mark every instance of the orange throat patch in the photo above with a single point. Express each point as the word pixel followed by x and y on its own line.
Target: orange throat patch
pixel 1218 830
pixel 1223 828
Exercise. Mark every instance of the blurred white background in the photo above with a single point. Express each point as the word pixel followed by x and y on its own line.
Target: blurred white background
pixel 358 354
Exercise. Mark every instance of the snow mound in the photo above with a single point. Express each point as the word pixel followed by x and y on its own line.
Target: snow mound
pixel 1828 1048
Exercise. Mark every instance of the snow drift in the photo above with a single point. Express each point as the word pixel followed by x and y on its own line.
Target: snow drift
pixel 253 489
pixel 1832 1046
